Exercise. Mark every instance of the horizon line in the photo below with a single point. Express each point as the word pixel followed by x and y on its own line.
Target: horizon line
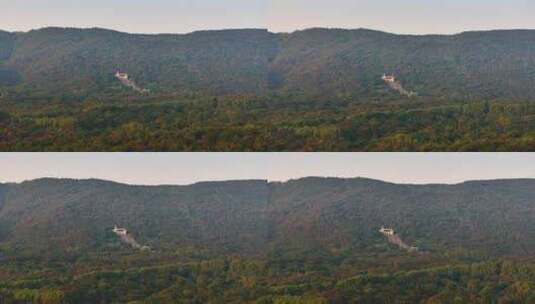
pixel 266 180
pixel 266 29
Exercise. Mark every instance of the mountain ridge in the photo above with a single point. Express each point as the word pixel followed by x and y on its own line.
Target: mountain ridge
pixel 365 29
pixel 69 217
pixel 311 177
pixel 314 64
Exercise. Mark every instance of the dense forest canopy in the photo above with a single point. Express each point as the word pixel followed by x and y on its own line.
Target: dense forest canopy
pixel 321 64
pixel 311 240
pixel 493 216
pixel 252 124
pixel 252 90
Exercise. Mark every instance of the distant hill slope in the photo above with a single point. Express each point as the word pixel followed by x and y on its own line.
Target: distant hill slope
pixel 85 60
pixel 69 216
pixel 315 63
pixel 8 77
pixel 80 214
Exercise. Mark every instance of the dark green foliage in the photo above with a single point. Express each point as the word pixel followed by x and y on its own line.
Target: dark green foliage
pixel 250 124
pixel 83 62
pixel 79 215
pixel 251 216
pixel 491 282
pixel 8 77
pixel 6 45
pixel 252 90
pixel 239 280
pixel 322 64
pixel 312 240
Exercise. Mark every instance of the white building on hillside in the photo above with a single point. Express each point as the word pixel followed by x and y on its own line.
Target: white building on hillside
pixel 387 231
pixel 121 75
pixel 388 78
pixel 120 231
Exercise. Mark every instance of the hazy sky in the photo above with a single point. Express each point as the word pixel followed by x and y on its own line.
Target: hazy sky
pixel 179 16
pixel 185 168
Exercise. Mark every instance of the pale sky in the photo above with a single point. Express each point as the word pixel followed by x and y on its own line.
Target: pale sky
pixel 187 168
pixel 182 16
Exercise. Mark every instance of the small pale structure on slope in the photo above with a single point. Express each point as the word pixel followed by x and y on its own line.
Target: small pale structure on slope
pixel 120 231
pixel 388 78
pixel 387 231
pixel 121 75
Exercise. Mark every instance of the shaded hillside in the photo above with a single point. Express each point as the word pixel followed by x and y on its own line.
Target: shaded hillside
pixel 66 216
pixel 77 215
pixel 8 77
pixel 315 63
pixel 494 216
pixel 84 61
pixel 6 45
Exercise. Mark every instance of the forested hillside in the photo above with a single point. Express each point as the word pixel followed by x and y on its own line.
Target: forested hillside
pixel 311 240
pixel 83 62
pixel 320 64
pixel 494 217
pixel 242 124
pixel 79 215
pixel 8 77
pixel 252 90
